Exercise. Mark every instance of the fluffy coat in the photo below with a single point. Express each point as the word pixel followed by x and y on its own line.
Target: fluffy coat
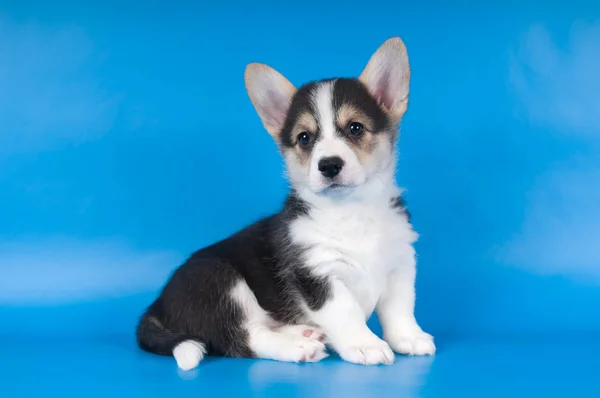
pixel 307 278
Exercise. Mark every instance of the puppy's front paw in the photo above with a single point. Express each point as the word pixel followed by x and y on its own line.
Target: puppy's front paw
pixel 415 342
pixel 371 352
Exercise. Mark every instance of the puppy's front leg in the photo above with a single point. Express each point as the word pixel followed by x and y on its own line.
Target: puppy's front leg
pixel 345 326
pixel 395 311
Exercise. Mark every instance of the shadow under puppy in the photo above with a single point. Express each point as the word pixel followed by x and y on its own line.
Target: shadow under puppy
pixel 340 248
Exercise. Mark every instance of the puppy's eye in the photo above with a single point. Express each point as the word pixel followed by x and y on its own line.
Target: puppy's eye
pixel 303 138
pixel 356 129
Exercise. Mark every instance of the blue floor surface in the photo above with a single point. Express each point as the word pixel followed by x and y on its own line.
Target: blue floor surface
pixel 112 366
pixel 88 349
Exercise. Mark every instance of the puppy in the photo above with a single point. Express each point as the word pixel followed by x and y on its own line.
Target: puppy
pixel 340 248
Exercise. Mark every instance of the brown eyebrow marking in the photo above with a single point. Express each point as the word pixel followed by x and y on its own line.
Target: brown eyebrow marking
pixel 305 122
pixel 348 113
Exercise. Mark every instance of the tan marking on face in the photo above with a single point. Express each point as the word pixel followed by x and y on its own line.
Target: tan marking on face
pixel 365 146
pixel 305 122
pixel 348 113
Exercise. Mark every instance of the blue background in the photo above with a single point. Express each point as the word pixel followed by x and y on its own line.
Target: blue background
pixel 127 140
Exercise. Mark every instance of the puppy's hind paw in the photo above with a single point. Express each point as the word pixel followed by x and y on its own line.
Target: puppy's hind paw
pixel 309 332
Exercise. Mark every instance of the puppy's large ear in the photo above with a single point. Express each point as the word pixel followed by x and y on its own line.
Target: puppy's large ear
pixel 387 76
pixel 271 95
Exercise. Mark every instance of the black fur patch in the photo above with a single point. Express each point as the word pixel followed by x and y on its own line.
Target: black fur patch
pixel 400 204
pixel 301 103
pixel 196 302
pixel 353 92
pixel 315 290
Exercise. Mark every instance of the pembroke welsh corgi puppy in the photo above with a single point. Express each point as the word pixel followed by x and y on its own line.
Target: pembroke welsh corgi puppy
pixel 309 277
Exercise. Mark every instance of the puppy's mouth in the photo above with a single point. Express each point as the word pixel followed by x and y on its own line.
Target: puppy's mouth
pixel 337 187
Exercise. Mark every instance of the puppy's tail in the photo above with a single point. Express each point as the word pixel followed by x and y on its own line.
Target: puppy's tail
pixel 152 336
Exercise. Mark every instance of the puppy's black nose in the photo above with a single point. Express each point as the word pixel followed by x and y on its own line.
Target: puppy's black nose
pixel 331 166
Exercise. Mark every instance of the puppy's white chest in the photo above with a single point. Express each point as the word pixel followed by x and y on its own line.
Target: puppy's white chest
pixel 357 244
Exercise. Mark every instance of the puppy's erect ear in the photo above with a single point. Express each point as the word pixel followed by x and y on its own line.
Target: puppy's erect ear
pixel 387 76
pixel 271 95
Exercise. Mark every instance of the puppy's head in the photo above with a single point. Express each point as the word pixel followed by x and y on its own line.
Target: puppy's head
pixel 335 134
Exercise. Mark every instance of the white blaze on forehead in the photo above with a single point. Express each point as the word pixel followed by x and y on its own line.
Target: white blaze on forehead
pixel 329 144
pixel 323 102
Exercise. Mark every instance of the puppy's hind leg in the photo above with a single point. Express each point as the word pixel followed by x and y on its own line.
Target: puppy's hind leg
pixel 311 332
pixel 270 344
pixel 288 344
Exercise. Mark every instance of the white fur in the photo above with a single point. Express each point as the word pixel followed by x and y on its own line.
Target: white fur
pixel 365 247
pixel 343 319
pixel 323 101
pixel 188 354
pixel 270 341
pixel 330 144
pixel 396 312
